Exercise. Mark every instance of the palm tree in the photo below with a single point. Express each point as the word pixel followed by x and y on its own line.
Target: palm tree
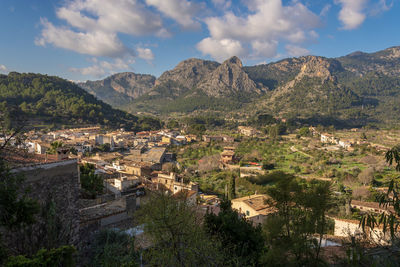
pixel 54 146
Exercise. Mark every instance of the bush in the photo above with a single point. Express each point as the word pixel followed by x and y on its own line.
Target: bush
pixel 114 248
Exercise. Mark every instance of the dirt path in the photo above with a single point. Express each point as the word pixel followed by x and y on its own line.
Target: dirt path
pixel 301 152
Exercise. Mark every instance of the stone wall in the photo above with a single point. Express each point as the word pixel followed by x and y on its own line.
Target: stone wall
pixel 57 183
pixel 347 228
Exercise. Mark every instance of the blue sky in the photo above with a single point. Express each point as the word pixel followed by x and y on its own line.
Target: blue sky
pixel 91 39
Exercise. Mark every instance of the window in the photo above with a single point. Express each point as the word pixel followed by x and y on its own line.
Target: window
pixel 247 213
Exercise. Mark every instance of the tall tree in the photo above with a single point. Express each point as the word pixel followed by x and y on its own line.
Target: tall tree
pixel 318 198
pixel 243 242
pixel 232 186
pixel 175 230
pixel 301 209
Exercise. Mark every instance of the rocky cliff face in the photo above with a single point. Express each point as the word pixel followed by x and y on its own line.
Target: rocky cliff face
pixel 188 73
pixel 319 67
pixel 120 88
pixel 229 79
pixel 131 84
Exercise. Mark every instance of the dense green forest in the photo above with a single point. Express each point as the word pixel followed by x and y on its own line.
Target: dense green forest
pixel 45 100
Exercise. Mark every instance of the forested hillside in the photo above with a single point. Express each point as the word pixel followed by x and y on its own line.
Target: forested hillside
pixel 43 99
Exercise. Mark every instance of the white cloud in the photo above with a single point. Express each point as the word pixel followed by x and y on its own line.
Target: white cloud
pixel 264 49
pixel 296 51
pixel 3 69
pixel 221 49
pixel 102 68
pixel 260 32
pixel 352 13
pixel 124 16
pixel 325 10
pixel 145 53
pixel 380 7
pixel 181 11
pixel 384 6
pixel 95 43
pixel 94 26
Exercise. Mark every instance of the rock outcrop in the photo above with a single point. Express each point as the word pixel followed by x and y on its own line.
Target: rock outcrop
pixel 114 88
pixel 188 73
pixel 229 79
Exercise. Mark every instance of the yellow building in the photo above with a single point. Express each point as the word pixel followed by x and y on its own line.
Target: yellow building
pixel 166 139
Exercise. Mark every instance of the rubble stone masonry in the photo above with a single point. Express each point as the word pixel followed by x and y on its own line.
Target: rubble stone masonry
pixel 60 183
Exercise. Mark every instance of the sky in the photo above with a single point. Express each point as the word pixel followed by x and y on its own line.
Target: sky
pixel 90 39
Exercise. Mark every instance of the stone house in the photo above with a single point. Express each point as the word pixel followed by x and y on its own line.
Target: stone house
pixel 102 139
pixel 121 184
pixel 209 138
pixel 228 155
pixel 346 144
pixel 174 183
pixel 139 168
pixel 247 131
pixel 41 147
pixel 190 196
pixel 328 139
pixel 253 207
pixel 191 138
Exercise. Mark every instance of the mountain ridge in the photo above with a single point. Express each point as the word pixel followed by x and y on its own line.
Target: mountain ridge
pixel 353 86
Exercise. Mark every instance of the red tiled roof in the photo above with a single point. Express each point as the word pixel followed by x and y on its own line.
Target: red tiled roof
pixel 20 158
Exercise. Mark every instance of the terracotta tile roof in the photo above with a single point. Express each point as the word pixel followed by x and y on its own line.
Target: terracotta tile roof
pixel 184 194
pixel 21 158
pixel 257 202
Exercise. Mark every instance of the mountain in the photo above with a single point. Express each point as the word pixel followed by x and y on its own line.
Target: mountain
pixel 310 86
pixel 121 88
pixel 229 79
pixel 188 73
pixel 385 61
pixel 356 89
pixel 47 100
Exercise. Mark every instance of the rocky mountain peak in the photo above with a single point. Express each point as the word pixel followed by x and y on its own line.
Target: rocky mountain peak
pixel 229 79
pixel 320 67
pixel 188 72
pixel 233 61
